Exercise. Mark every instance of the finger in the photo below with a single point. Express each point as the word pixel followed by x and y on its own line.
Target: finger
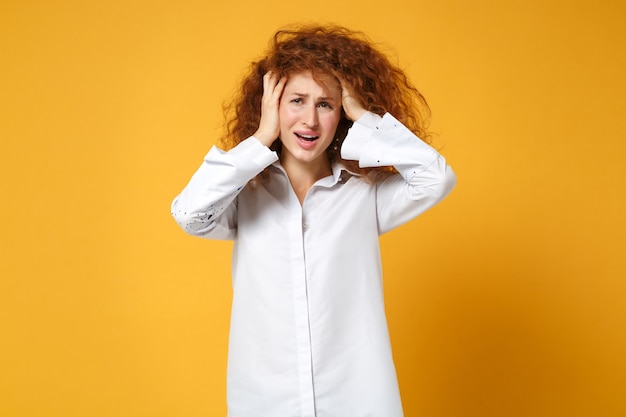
pixel 346 91
pixel 266 82
pixel 269 85
pixel 280 86
pixel 270 80
pixel 345 87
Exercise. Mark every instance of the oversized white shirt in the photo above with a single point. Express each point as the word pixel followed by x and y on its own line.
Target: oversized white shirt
pixel 308 335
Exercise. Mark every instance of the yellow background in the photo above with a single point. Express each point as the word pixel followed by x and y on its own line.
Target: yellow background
pixel 508 299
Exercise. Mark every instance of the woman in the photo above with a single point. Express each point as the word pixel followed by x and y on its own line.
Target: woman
pixel 324 156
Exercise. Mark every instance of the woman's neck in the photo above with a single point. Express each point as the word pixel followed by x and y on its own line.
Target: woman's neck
pixel 302 175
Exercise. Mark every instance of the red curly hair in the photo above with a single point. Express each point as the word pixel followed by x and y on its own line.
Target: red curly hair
pixel 378 84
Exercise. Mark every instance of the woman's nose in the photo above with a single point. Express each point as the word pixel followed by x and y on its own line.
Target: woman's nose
pixel 310 116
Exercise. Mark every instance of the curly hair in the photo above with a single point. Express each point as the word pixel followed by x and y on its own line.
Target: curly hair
pixel 329 50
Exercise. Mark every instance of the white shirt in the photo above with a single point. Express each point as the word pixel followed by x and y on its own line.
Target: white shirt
pixel 308 335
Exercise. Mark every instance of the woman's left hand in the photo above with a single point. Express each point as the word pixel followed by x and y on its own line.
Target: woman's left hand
pixel 351 106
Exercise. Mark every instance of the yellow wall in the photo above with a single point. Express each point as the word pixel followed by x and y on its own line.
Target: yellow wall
pixel 509 299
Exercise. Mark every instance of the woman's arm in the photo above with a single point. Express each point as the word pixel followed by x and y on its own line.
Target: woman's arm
pixel 423 178
pixel 207 206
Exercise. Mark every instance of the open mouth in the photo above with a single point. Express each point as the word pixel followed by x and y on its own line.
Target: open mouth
pixel 308 138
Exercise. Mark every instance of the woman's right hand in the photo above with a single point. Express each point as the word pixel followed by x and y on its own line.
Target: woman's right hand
pixel 269 126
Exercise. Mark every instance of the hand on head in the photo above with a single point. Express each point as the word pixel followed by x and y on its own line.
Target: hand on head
pixel 351 105
pixel 273 87
pixel 269 126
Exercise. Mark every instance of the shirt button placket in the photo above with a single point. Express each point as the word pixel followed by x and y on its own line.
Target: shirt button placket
pixel 301 313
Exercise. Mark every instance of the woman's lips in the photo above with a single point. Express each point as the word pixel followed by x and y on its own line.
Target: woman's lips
pixel 306 140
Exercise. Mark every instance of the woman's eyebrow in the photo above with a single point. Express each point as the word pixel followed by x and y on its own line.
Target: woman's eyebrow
pixel 304 95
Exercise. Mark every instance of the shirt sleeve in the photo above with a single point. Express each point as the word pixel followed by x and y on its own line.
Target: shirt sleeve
pixel 424 178
pixel 207 206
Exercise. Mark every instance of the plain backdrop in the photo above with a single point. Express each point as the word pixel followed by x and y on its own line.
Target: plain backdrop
pixel 507 299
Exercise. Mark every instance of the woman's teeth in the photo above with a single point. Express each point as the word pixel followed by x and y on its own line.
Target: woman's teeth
pixel 306 137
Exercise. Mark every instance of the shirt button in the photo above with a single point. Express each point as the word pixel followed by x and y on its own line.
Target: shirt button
pixel 305 225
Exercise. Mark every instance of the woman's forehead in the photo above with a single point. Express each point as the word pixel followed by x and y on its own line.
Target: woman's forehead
pixel 323 82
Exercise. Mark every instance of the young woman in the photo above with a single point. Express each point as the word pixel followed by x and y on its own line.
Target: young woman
pixel 324 157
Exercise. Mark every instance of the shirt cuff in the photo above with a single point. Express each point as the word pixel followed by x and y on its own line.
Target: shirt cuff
pixel 251 150
pixel 359 135
pixel 392 143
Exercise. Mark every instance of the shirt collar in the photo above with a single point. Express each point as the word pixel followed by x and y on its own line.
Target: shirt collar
pixel 339 174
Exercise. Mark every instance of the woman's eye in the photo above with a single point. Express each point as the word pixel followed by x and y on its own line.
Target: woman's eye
pixel 325 105
pixel 297 100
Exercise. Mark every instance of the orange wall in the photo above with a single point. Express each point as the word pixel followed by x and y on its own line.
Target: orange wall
pixel 508 299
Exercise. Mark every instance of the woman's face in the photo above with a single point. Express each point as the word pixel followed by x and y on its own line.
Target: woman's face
pixel 309 113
